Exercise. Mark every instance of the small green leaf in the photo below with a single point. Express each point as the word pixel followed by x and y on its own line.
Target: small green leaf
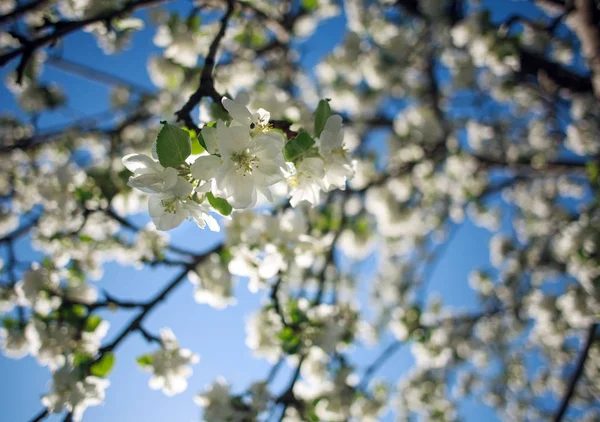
pixel 290 341
pixel 145 360
pixel 321 115
pixel 225 255
pixel 92 323
pixel 82 194
pixel 103 366
pixel 362 226
pixel 219 204
pixel 82 359
pixel 85 238
pixel 73 314
pixel 173 145
pixel 197 147
pixel 173 21
pixel 79 311
pixel 310 4
pixel 297 146
pixel 10 323
pixel 193 23
pixel 593 171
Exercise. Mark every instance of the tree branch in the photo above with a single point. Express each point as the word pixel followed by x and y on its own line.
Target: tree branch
pixel 63 28
pixel 591 334
pixel 206 87
pixel 162 295
pixel 40 416
pixel 587 28
pixel 22 9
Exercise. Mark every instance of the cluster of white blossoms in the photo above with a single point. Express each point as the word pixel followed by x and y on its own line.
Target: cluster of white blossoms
pixel 73 392
pixel 220 404
pixel 243 160
pixel 330 328
pixel 170 365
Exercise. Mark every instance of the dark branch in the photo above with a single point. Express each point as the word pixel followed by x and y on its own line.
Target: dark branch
pixel 22 9
pixel 161 296
pixel 207 86
pixel 66 27
pixel 40 416
pixel 591 334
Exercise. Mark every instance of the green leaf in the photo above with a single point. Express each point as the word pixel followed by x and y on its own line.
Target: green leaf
pixel 219 204
pixel 92 323
pixel 79 311
pixel 321 115
pixel 173 21
pixel 310 4
pixel 225 255
pixel 82 359
pixel 103 366
pixel 83 195
pixel 10 323
pixel 197 147
pixel 73 314
pixel 193 23
pixel 362 226
pixel 76 272
pixel 593 171
pixel 145 360
pixel 85 238
pixel 297 146
pixel 173 146
pixel 290 341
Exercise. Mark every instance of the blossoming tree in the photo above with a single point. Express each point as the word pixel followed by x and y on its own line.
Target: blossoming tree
pixel 427 113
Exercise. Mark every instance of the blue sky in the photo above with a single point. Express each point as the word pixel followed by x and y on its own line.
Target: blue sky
pixel 218 336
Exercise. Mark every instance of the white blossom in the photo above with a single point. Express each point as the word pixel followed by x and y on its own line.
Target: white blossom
pixel 170 365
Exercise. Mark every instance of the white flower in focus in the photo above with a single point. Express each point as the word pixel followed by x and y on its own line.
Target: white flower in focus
pixel 240 114
pixel 149 175
pixel 169 209
pixel 338 167
pixel 170 365
pixel 245 166
pixel 307 181
pixel 71 392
